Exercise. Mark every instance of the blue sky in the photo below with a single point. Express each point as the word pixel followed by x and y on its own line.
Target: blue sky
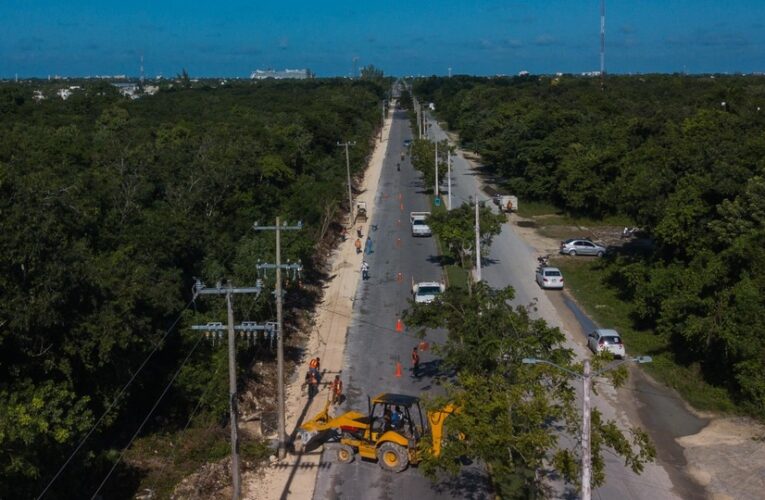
pixel 231 38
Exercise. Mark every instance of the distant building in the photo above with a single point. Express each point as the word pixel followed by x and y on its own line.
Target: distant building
pixel 64 93
pixel 287 74
pixel 128 89
pixel 523 73
pixel 37 95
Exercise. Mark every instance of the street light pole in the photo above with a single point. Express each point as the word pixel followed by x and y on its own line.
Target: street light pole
pixel 586 453
pixel 348 174
pixel 477 243
pixel 436 161
pixel 586 378
pixel 449 176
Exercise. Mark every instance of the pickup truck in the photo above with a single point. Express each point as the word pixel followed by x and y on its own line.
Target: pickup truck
pixel 426 292
pixel 419 224
pixel 506 202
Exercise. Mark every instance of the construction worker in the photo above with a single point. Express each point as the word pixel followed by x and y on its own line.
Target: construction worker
pixel 315 365
pixel 396 418
pixel 358 232
pixel 337 390
pixel 415 362
pixel 312 382
pixel 364 270
pixel 357 244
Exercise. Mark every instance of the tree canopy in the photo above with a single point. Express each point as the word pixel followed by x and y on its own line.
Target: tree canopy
pixel 683 157
pixel 110 208
pixel 511 416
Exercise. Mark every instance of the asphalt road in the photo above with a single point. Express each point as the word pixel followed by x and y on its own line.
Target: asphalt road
pixel 661 413
pixel 374 347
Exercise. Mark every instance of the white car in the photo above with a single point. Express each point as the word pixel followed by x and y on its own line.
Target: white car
pixel 419 224
pixel 549 277
pixel 426 292
pixel 604 339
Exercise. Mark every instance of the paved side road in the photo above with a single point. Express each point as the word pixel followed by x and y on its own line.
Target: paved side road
pixel 374 347
pixel 512 261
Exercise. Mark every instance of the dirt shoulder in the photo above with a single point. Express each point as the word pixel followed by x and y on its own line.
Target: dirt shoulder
pixel 295 476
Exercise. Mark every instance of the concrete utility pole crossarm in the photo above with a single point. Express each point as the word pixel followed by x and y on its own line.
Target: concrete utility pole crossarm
pixel 282 446
pixel 229 291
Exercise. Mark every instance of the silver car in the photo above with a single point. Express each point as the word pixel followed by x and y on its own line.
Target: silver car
pixel 581 247
pixel 549 277
pixel 604 339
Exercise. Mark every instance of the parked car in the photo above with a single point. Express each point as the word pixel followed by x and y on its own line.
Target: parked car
pixel 604 339
pixel 549 277
pixel 581 247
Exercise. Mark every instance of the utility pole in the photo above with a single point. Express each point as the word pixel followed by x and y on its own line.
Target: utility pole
pixel 586 410
pixel 382 126
pixel 477 243
pixel 348 173
pixel 229 291
pixel 449 176
pixel 436 155
pixel 418 111
pixel 282 446
pixel 586 378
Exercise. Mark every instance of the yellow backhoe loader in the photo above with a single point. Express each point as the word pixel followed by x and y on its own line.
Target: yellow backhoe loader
pixel 389 433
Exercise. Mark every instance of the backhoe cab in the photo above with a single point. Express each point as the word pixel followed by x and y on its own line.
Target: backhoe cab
pixel 379 435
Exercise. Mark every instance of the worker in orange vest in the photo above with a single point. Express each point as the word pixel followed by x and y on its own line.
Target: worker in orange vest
pixel 315 364
pixel 358 245
pixel 415 362
pixel 337 390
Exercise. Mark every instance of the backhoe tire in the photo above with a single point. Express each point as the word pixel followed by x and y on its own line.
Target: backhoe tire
pixel 345 454
pixel 392 457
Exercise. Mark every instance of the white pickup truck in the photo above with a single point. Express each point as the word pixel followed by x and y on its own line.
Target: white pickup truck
pixel 426 291
pixel 419 225
pixel 506 202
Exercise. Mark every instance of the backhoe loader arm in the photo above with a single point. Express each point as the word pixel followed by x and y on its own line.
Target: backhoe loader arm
pixel 436 421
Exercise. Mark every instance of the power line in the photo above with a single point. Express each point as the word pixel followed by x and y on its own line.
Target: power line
pixel 148 415
pixel 116 399
pixel 188 423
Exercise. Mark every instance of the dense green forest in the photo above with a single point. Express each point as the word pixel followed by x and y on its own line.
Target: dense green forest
pixel 681 156
pixel 109 208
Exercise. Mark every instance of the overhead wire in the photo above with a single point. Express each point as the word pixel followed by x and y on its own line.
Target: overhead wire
pixel 111 406
pixel 149 414
pixel 193 414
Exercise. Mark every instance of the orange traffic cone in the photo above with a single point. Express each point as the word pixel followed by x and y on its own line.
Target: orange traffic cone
pixel 401 206
pixel 398 369
pixel 399 326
